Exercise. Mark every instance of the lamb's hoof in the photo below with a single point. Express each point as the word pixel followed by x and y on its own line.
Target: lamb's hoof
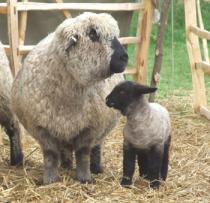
pixel 155 184
pixel 126 182
pixel 96 169
pixel 17 160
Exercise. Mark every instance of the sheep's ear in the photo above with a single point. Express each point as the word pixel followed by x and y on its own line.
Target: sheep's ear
pixel 143 89
pixel 72 43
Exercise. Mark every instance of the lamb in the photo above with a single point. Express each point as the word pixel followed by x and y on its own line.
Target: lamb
pixel 146 133
pixel 59 94
pixel 7 118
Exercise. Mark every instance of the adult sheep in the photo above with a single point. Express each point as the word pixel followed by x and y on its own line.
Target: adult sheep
pixel 7 118
pixel 59 94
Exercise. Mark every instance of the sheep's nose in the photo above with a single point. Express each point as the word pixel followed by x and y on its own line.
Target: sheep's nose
pixel 119 58
pixel 124 57
pixel 109 103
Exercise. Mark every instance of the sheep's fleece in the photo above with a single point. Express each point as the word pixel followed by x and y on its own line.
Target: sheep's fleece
pixel 63 89
pixel 6 80
pixel 7 118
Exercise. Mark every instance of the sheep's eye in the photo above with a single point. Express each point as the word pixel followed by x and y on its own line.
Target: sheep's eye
pixel 122 92
pixel 93 35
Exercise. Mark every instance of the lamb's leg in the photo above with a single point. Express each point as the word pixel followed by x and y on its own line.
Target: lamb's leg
pixel 82 144
pixel 164 168
pixel 66 155
pixel 13 131
pixel 129 159
pixel 96 160
pixel 155 157
pixel 51 155
pixel 143 163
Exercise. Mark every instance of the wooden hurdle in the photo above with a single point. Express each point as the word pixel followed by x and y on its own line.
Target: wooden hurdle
pixel 199 65
pixel 17 28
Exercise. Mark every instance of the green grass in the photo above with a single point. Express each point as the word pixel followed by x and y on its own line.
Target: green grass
pixel 175 71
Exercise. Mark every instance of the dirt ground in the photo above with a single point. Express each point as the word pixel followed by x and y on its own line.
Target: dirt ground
pixel 188 178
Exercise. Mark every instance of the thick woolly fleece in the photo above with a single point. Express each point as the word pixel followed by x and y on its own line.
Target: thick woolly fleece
pixel 7 118
pixel 6 80
pixel 62 85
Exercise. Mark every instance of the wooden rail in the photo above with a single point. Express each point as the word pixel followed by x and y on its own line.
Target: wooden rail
pixel 199 32
pixel 24 49
pixel 203 66
pixel 3 8
pixel 30 6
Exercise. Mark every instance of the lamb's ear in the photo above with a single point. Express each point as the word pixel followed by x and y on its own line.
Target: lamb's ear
pixel 72 42
pixel 143 89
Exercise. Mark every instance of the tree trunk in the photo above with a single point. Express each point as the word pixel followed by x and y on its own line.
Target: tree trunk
pixel 159 46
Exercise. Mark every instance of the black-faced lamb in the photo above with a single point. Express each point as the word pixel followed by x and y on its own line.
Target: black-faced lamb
pixel 59 92
pixel 146 133
pixel 7 118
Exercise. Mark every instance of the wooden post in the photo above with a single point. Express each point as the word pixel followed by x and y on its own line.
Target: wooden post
pixel 22 28
pixel 159 46
pixel 200 21
pixel 199 95
pixel 66 13
pixel 145 25
pixel 13 34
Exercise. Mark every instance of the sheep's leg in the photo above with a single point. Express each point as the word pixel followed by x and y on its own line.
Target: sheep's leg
pixel 51 155
pixel 96 160
pixel 155 157
pixel 82 145
pixel 129 159
pixel 143 163
pixel 13 131
pixel 83 165
pixel 164 168
pixel 66 155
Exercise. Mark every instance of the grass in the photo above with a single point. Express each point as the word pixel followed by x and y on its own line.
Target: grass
pixel 175 72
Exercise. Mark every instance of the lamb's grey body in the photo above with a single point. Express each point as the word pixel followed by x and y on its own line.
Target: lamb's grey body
pixel 59 93
pixel 7 118
pixel 148 124
pixel 146 132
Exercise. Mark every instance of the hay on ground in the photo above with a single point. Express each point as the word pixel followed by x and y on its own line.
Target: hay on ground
pixel 188 179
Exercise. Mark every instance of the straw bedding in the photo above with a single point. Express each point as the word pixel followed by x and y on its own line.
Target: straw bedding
pixel 188 179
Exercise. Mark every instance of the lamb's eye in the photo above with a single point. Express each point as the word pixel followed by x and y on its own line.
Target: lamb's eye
pixel 93 35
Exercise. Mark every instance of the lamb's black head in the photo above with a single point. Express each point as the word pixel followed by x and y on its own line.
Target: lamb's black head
pixel 125 93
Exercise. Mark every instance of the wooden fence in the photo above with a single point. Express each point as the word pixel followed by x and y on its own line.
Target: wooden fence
pixel 199 57
pixel 17 28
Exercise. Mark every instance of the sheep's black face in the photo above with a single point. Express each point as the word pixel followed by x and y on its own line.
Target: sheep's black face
pixel 125 93
pixel 119 58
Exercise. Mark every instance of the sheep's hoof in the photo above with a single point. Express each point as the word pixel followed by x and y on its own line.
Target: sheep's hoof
pixel 96 169
pixel 50 178
pixel 126 182
pixel 155 184
pixel 16 160
pixel 84 181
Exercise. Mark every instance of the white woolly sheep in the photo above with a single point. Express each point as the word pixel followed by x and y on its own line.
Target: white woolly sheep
pixel 146 133
pixel 7 118
pixel 59 94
